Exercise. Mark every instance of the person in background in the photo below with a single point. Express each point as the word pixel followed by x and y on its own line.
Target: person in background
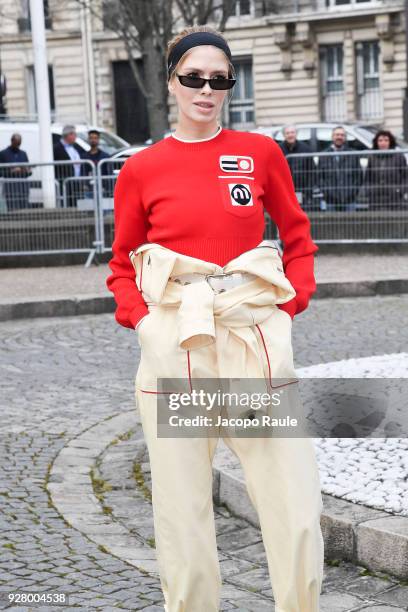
pixel 68 150
pixel 16 187
pixel 95 155
pixel 302 168
pixel 386 177
pixel 340 176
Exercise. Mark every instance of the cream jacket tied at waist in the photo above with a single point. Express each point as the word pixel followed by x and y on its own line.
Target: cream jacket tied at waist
pixel 204 317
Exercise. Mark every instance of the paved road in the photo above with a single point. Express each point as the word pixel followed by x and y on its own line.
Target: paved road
pixel 62 376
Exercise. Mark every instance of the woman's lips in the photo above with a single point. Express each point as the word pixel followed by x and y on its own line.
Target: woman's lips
pixel 206 107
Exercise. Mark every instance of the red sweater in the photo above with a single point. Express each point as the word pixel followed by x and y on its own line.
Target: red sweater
pixel 206 199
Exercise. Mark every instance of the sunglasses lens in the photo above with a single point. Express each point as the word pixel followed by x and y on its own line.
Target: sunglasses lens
pixel 197 82
pixel 221 83
pixel 188 81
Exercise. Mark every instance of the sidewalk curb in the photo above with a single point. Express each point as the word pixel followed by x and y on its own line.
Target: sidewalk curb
pixel 56 307
pixel 352 532
pixel 99 304
pixel 388 286
pixel 72 494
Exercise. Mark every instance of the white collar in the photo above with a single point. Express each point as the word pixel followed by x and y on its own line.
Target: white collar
pixel 200 139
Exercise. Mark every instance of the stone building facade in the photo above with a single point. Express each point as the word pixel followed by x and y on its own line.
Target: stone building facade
pixel 297 61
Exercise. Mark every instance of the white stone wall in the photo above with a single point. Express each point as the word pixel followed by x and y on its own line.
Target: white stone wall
pixel 65 16
pixel 393 86
pixel 10 11
pixel 279 97
pixel 65 54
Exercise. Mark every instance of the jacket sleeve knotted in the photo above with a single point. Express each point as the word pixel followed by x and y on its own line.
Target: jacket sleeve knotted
pixel 281 203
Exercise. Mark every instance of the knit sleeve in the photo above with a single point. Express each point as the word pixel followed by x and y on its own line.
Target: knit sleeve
pixel 281 203
pixel 130 231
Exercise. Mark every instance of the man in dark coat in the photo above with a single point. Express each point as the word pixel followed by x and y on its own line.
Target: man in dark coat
pixel 16 187
pixel 302 168
pixel 68 150
pixel 340 176
pixel 95 155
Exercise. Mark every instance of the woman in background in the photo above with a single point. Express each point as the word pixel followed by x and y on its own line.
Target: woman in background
pixel 386 176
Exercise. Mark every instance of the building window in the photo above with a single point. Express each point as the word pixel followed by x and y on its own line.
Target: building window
pixel 240 10
pixel 110 14
pixel 348 3
pixel 243 7
pixel 333 100
pixel 31 92
pixel 241 108
pixel 24 22
pixel 369 96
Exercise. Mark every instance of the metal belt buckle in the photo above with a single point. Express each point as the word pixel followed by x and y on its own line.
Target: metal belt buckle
pixel 217 275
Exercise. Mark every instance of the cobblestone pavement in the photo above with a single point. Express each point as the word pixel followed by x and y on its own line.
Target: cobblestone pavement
pixel 62 376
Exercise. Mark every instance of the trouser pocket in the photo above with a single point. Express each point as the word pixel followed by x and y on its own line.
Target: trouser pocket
pixel 275 342
pixel 161 355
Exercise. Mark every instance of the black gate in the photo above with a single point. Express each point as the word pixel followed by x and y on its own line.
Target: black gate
pixel 130 104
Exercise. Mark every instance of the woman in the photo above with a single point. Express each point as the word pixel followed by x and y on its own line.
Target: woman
pixel 210 298
pixel 386 175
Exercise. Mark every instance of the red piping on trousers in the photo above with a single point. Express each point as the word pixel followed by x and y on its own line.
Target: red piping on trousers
pixel 269 363
pixel 266 354
pixel 156 392
pixel 189 370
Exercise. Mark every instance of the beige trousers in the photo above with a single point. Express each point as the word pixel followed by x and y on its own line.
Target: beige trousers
pixel 192 333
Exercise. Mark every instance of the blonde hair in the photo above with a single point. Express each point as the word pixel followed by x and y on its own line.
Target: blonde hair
pixel 189 30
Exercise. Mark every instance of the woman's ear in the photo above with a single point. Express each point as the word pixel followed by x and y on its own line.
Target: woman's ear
pixel 170 86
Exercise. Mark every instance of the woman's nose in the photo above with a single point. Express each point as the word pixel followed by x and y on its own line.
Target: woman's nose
pixel 206 86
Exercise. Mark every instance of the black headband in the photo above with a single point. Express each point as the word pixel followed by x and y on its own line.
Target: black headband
pixel 192 40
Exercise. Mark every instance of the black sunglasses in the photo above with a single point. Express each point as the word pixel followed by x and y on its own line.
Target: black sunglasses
pixel 199 82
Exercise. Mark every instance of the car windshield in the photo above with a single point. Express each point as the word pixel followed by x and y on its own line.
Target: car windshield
pixel 107 142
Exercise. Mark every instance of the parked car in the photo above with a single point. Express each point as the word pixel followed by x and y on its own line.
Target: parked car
pixel 318 135
pixel 124 153
pixel 108 141
pixel 128 151
pixel 110 168
pixel 150 141
pixel 29 131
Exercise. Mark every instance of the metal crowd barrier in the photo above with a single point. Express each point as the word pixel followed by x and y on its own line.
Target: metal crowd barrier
pixel 107 172
pixel 358 196
pixel 349 196
pixel 354 196
pixel 48 208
